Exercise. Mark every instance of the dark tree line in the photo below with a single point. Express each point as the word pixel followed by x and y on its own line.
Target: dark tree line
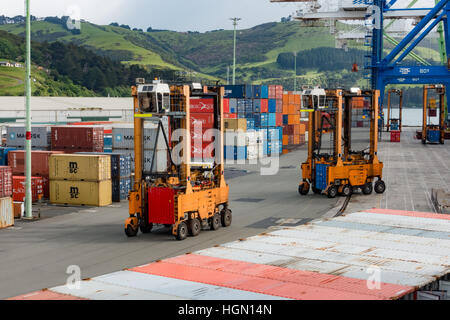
pixel 82 66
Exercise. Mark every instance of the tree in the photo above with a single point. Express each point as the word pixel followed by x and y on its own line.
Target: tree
pixel 149 29
pixel 114 24
pixel 125 26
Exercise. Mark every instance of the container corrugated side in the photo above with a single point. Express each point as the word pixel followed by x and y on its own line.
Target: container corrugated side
pixel 86 193
pixel 161 159
pixel 6 212
pixel 40 136
pixel 80 167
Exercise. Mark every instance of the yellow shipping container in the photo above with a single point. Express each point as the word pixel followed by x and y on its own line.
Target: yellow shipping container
pixel 85 193
pixel 80 167
pixel 236 124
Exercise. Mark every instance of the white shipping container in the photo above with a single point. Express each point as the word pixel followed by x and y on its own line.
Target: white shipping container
pixel 123 136
pixel 6 213
pixel 40 136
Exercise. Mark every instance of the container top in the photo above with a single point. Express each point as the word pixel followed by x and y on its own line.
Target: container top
pixel 371 255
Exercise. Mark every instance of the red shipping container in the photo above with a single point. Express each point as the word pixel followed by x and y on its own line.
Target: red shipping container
pixel 19 188
pixel 395 136
pixel 81 138
pixel 5 182
pixel 39 162
pixel 206 150
pixel 226 106
pixel 204 119
pixel 273 92
pixel 288 130
pixel 230 116
pixel 264 105
pixel 279 106
pixel 200 105
pixel 279 119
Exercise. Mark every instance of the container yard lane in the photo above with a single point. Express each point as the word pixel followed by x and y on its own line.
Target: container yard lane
pixel 44 254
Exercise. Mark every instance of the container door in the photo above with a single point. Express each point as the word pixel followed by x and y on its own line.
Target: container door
pixel 161 209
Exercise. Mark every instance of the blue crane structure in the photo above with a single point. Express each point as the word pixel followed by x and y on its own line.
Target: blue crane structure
pixel 386 69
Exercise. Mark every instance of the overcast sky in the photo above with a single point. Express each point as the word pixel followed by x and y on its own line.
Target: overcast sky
pixel 179 15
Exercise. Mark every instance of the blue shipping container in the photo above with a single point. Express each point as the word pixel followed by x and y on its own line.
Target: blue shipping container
pixel 272 121
pixel 240 153
pixel 321 176
pixel 248 91
pixel 4 155
pixel 250 124
pixel 264 92
pixel 434 136
pixel 229 152
pixel 256 105
pixel 249 106
pixel 234 91
pixel 257 92
pixel 272 106
pixel 120 189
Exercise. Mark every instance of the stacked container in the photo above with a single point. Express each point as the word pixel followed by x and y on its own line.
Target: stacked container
pixel 261 106
pixel 120 175
pixel 294 122
pixel 39 166
pixel 4 155
pixel 71 139
pixel 202 120
pixel 80 180
pixel 123 143
pixel 6 189
pixel 19 192
pixel 40 137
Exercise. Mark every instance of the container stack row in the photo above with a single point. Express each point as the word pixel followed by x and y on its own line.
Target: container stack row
pixel 295 122
pixel 254 111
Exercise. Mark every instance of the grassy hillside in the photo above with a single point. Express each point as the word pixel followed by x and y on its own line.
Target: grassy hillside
pixel 12 84
pixel 210 53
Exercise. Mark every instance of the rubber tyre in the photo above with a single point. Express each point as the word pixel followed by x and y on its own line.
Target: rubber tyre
pixel 226 218
pixel 368 188
pixel 194 227
pixel 182 231
pixel 131 232
pixel 146 228
pixel 347 191
pixel 303 189
pixel 215 222
pixel 380 187
pixel 316 191
pixel 332 192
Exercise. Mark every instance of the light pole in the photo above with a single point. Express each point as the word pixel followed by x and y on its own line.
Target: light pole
pixel 235 23
pixel 295 71
pixel 28 196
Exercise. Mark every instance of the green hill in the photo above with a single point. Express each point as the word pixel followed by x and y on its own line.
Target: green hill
pixel 261 51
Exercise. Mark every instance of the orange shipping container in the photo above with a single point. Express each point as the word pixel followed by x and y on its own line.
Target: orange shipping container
pixel 302 128
pixel 294 119
pixel 285 140
pixel 285 99
pixel 297 99
pixel 296 139
pixel 296 129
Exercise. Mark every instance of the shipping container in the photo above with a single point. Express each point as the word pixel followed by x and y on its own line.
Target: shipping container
pixel 272 121
pixel 120 189
pixel 264 92
pixel 256 92
pixel 201 105
pixel 226 105
pixel 6 212
pixel 161 160
pixel 86 193
pixel 4 155
pixel 123 136
pixel 81 138
pixel 120 163
pixel 39 162
pixel 236 124
pixel 230 116
pixel 37 188
pixel 272 106
pixel 264 105
pixel 18 209
pixel 79 167
pixel 234 91
pixel 40 136
pixel 257 105
pixel 233 105
pixel 6 188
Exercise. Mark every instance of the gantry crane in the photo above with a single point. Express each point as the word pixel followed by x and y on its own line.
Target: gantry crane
pixel 384 68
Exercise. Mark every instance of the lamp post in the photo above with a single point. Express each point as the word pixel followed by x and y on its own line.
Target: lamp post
pixel 295 71
pixel 28 195
pixel 235 23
